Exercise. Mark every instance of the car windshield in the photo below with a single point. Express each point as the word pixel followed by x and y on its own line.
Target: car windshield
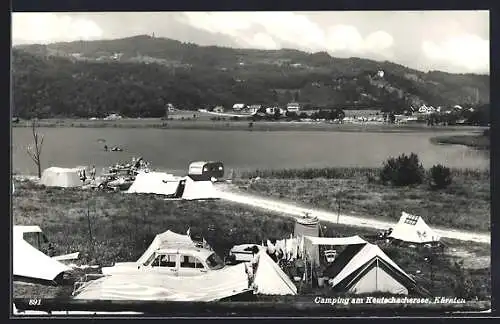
pixel 214 262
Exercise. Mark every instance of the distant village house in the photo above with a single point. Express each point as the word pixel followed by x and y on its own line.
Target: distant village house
pixel 293 107
pixel 238 106
pixel 113 117
pixel 252 109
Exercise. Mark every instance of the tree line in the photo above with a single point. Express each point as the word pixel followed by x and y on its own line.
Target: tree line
pixel 45 87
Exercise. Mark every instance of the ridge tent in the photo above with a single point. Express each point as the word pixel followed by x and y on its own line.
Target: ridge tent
pixel 413 229
pixel 61 177
pixel 269 279
pixel 199 189
pixel 366 268
pixel 159 183
pixel 29 262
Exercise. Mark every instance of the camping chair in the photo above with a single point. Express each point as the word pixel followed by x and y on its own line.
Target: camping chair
pixel 330 255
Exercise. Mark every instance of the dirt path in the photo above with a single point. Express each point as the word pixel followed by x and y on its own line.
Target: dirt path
pixel 229 192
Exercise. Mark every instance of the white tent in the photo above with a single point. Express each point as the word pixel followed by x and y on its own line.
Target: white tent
pixel 61 177
pixel 164 240
pixel 413 229
pixel 311 244
pixel 367 269
pixel 199 190
pixel 19 230
pixel 159 183
pixel 33 264
pixel 214 285
pixel 269 279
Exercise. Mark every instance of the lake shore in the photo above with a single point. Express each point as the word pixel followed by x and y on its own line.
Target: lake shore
pixel 123 225
pixel 475 141
pixel 204 123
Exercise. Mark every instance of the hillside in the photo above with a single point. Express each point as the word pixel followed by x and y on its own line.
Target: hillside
pixel 137 76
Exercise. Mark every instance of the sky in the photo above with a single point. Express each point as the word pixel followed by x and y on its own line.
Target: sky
pixel 450 41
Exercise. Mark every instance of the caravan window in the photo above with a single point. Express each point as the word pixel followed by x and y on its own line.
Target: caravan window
pixel 188 261
pixel 164 260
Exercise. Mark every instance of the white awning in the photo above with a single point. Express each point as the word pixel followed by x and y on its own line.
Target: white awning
pixel 335 240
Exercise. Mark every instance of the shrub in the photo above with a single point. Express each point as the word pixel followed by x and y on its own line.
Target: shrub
pixel 462 284
pixel 402 171
pixel 440 176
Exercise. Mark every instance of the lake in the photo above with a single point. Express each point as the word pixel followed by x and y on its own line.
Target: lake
pixel 172 150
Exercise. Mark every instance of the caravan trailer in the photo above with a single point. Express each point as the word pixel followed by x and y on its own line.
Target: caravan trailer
pixel 206 171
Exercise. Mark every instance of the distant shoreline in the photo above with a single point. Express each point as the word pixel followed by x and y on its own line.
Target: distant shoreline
pixel 476 141
pixel 231 125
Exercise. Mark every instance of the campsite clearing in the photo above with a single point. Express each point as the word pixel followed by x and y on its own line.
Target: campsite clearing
pixel 123 225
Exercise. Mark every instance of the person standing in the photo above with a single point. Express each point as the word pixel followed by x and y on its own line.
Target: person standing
pixel 255 259
pixel 92 173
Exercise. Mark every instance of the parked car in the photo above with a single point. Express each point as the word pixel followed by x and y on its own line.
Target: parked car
pixel 184 262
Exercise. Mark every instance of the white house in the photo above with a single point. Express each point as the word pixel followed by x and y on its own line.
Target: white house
pixel 238 106
pixel 252 109
pixel 113 117
pixel 170 107
pixel 293 107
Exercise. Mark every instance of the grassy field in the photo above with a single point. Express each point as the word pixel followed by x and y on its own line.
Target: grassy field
pixel 123 225
pixel 465 204
pixel 205 122
pixel 476 141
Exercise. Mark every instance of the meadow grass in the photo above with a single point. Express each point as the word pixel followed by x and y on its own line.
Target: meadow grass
pixel 123 225
pixel 465 204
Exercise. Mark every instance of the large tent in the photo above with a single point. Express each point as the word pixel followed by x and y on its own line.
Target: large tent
pixel 312 244
pixel 212 286
pixel 413 229
pixel 270 279
pixel 158 183
pixel 161 183
pixel 29 262
pixel 61 177
pixel 367 269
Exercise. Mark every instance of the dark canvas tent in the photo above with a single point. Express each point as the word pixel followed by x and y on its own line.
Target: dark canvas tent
pixel 367 269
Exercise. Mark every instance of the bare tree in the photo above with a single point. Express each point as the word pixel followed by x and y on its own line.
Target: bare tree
pixel 35 150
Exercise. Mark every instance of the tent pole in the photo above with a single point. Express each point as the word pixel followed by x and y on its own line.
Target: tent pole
pixel 311 274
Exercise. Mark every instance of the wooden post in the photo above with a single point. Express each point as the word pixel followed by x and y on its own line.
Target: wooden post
pixel 90 231
pixel 338 210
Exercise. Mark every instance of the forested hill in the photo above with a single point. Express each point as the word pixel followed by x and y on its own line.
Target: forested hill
pixel 138 76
